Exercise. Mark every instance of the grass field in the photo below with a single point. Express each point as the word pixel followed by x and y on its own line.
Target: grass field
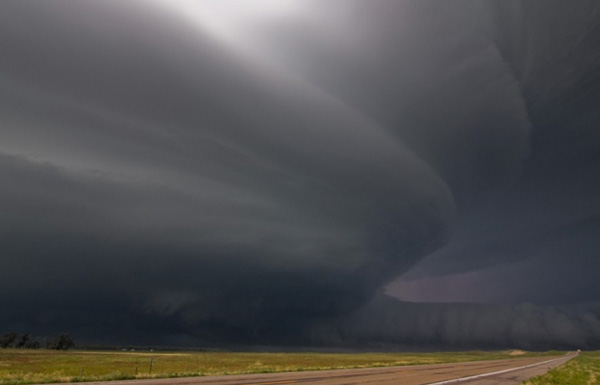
pixel 582 370
pixel 45 366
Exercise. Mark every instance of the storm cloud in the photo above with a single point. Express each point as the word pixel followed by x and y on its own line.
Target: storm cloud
pixel 203 171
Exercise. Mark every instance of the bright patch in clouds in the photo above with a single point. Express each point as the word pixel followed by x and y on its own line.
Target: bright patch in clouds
pixel 227 20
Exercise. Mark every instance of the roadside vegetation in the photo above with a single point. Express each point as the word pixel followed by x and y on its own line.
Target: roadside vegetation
pixel 21 366
pixel 581 370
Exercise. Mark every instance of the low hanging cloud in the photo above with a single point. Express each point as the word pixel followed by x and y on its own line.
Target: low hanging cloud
pixel 182 174
pixel 388 323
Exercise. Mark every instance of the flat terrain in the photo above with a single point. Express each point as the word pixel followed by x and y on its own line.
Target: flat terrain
pixel 582 370
pixel 497 372
pixel 44 366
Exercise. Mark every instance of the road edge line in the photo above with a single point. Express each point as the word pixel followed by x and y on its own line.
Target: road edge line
pixel 461 379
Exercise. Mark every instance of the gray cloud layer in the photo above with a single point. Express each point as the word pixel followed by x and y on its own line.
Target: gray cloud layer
pixel 385 323
pixel 243 180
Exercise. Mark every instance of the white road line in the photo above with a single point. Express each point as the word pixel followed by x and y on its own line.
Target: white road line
pixel 492 373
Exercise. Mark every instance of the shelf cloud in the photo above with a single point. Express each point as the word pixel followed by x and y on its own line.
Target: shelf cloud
pixel 195 172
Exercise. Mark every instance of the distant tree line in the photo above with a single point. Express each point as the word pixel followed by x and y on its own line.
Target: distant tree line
pixel 14 340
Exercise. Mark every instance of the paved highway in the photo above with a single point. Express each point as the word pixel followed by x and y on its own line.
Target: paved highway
pixel 497 372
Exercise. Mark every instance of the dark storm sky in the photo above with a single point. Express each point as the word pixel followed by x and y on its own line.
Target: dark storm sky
pixel 203 171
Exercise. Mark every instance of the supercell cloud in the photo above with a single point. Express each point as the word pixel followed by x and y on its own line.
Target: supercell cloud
pixel 204 171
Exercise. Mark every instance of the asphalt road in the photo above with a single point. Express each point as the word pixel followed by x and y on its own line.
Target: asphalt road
pixel 497 372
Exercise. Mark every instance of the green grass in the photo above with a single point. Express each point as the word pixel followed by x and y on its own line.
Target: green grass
pixel 582 370
pixel 46 366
